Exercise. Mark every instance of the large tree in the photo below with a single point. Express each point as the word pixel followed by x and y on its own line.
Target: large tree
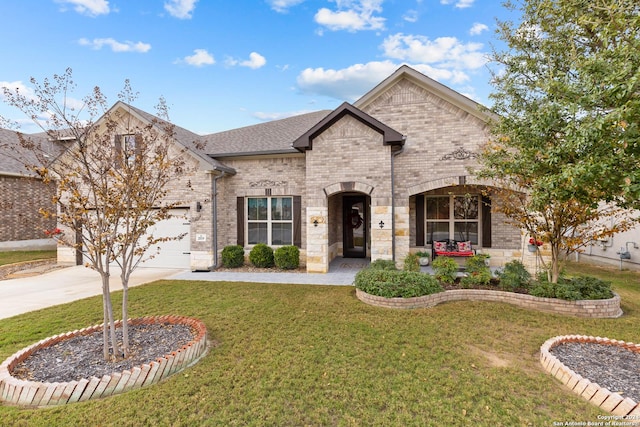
pixel 567 104
pixel 111 180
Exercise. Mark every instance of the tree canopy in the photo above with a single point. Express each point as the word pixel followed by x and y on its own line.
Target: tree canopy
pixel 567 102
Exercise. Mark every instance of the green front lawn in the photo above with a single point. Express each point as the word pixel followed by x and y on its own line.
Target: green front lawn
pixel 11 257
pixel 314 355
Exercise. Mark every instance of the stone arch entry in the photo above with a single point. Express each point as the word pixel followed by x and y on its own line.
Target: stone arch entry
pixel 349 219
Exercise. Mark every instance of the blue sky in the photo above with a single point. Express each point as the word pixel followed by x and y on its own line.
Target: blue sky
pixel 227 64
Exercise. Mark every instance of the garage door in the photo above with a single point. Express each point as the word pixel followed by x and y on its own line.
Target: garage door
pixel 174 253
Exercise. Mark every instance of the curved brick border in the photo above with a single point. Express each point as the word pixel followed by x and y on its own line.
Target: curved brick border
pixel 33 394
pixel 602 308
pixel 9 269
pixel 592 392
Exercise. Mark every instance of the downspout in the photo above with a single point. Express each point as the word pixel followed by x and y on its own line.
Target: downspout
pixel 214 216
pixel 393 201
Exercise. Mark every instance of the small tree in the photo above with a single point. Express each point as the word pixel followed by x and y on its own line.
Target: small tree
pixel 565 142
pixel 111 181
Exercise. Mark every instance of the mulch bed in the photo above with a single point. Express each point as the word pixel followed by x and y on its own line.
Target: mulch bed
pixel 612 367
pixel 82 356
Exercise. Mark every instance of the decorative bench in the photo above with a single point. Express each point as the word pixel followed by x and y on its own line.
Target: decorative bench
pixel 452 248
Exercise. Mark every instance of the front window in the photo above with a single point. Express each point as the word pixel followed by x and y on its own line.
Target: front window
pixel 454 217
pixel 129 148
pixel 270 220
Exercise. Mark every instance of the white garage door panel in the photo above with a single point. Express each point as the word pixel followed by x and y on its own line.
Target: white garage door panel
pixel 174 253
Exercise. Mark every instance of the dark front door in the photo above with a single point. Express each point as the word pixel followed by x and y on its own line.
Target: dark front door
pixel 355 222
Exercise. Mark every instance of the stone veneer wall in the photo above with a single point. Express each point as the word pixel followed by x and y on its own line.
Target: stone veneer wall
pixel 20 201
pixel 435 129
pixel 349 152
pixel 607 308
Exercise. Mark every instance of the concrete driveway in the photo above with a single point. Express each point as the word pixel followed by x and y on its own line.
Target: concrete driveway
pixel 64 285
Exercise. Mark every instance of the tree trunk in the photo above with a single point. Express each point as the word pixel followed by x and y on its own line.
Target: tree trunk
pixel 125 317
pixel 110 322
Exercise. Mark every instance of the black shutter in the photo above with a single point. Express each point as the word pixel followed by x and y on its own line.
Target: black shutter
pixel 240 219
pixel 420 220
pixel 117 151
pixel 297 221
pixel 486 222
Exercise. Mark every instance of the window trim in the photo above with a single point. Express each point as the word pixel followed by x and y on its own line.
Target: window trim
pixel 269 221
pixel 452 220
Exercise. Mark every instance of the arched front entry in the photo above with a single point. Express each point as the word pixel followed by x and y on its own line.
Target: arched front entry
pixel 349 225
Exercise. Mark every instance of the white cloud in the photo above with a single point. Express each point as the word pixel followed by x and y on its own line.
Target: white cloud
pixel 352 15
pixel 181 9
pixel 17 86
pixel 282 6
pixel 478 28
pixel 346 84
pixel 411 16
pixel 444 52
pixel 115 45
pixel 200 58
pixel 255 61
pixel 88 7
pixel 460 4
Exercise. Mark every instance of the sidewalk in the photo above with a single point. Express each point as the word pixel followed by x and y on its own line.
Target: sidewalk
pixel 63 285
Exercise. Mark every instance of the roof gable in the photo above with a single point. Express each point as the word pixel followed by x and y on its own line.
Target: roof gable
pixel 428 84
pixel 389 135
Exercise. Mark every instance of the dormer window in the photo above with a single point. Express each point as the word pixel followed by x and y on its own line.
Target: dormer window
pixel 127 147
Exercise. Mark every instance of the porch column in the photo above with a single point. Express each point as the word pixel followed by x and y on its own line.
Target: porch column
pixel 317 239
pixel 402 234
pixel 381 234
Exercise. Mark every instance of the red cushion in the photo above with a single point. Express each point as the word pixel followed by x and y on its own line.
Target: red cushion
pixel 456 253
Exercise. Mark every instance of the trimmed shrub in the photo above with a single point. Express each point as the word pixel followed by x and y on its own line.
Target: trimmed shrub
pixel 395 284
pixel 233 256
pixel 576 288
pixel 261 256
pixel 445 269
pixel 478 272
pixel 287 257
pixel 513 276
pixel 411 263
pixel 383 264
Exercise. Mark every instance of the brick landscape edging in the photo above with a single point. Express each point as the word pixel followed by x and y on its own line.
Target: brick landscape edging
pixel 8 269
pixel 603 308
pixel 623 407
pixel 37 394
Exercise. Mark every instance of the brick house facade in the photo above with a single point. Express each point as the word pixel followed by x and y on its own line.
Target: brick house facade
pixel 21 196
pixel 379 178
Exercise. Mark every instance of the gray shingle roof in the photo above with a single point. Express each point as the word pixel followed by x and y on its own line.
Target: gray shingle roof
pixel 270 137
pixel 13 156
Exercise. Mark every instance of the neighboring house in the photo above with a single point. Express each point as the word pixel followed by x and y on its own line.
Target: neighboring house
pixel 22 194
pixel 379 178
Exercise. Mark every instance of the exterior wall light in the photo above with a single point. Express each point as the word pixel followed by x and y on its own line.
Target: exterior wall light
pixel 381 224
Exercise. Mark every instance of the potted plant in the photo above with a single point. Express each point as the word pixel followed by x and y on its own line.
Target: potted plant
pixel 423 257
pixel 534 244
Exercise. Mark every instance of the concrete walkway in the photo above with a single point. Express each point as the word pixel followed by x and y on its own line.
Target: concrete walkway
pixel 64 285
pixel 25 294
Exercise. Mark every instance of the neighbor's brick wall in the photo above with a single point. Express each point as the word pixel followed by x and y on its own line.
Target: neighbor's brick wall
pixel 20 200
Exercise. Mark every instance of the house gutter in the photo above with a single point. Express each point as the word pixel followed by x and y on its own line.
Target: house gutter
pixel 393 199
pixel 214 216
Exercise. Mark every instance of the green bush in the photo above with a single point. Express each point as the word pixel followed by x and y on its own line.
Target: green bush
pixel 233 256
pixel 287 257
pixel 383 264
pixel 395 284
pixel 513 276
pixel 411 263
pixel 445 269
pixel 572 289
pixel 261 256
pixel 476 278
